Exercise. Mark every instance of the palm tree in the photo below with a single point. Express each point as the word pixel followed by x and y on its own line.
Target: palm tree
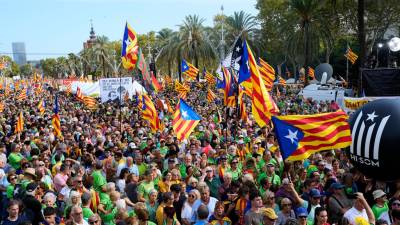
pixel 241 24
pixel 101 51
pixel 193 43
pixel 164 38
pixel 309 31
pixel 88 59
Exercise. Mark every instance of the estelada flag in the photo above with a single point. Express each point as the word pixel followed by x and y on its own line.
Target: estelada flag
pixel 189 70
pixel 185 119
pixel 299 136
pixel 129 50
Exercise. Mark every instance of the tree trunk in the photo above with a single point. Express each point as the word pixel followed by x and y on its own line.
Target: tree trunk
pixel 196 62
pixel 104 68
pixel 307 50
pixel 361 31
pixel 169 68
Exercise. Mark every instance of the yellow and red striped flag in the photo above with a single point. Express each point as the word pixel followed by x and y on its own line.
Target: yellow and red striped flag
pixel 242 106
pixel 182 89
pixel 69 89
pixel 267 73
pixel 22 95
pixel 130 48
pixel 282 81
pixel 19 126
pixel 169 108
pixel 90 102
pixel 1 107
pixel 7 90
pixel 209 77
pixel 311 72
pixel 38 88
pixel 210 96
pixel 149 113
pixel 167 81
pixel 299 136
pixel 56 119
pixel 262 103
pixel 189 70
pixel 351 56
pixel 184 120
pixel 41 106
pixel 79 94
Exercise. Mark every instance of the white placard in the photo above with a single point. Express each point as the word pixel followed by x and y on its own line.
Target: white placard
pixel 113 88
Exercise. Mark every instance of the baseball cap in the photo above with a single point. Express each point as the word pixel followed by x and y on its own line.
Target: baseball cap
pixel 301 211
pixel 31 187
pixel 378 194
pixel 270 213
pixel 315 193
pixel 337 186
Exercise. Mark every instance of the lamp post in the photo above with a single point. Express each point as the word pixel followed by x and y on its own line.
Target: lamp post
pixel 380 45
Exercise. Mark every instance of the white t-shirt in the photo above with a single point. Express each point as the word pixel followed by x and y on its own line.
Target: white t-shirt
pixel 187 211
pixel 385 216
pixel 352 214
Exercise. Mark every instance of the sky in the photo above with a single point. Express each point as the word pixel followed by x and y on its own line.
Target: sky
pixel 51 28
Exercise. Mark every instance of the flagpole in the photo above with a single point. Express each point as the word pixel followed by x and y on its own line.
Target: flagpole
pixel 120 104
pixel 347 65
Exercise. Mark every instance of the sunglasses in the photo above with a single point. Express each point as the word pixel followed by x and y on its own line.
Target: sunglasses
pixel 303 217
pixel 396 204
pixel 192 196
pixel 234 162
pixel 283 205
pixel 13 178
pixel 93 222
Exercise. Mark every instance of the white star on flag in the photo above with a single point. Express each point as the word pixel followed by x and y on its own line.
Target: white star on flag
pixel 185 67
pixel 127 42
pixel 292 136
pixel 238 49
pixel 371 116
pixel 184 114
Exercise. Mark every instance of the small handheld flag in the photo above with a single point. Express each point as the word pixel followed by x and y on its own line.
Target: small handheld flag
pixel 184 120
pixel 351 56
pixel 56 119
pixel 189 70
pixel 19 127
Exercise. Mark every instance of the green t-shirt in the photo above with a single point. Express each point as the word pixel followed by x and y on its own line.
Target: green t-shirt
pixel 144 188
pixel 274 180
pixel 142 169
pixel 87 213
pixel 164 150
pixel 379 210
pixel 235 174
pixel 262 163
pixel 14 160
pixel 182 170
pixel 10 191
pixel 98 180
pixel 106 201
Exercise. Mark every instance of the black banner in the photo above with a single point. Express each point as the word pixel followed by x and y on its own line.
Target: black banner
pixel 381 82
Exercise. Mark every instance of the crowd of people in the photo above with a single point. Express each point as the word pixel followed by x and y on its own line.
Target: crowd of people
pixel 109 168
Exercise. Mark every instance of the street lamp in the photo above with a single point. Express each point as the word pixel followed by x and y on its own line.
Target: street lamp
pixel 380 45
